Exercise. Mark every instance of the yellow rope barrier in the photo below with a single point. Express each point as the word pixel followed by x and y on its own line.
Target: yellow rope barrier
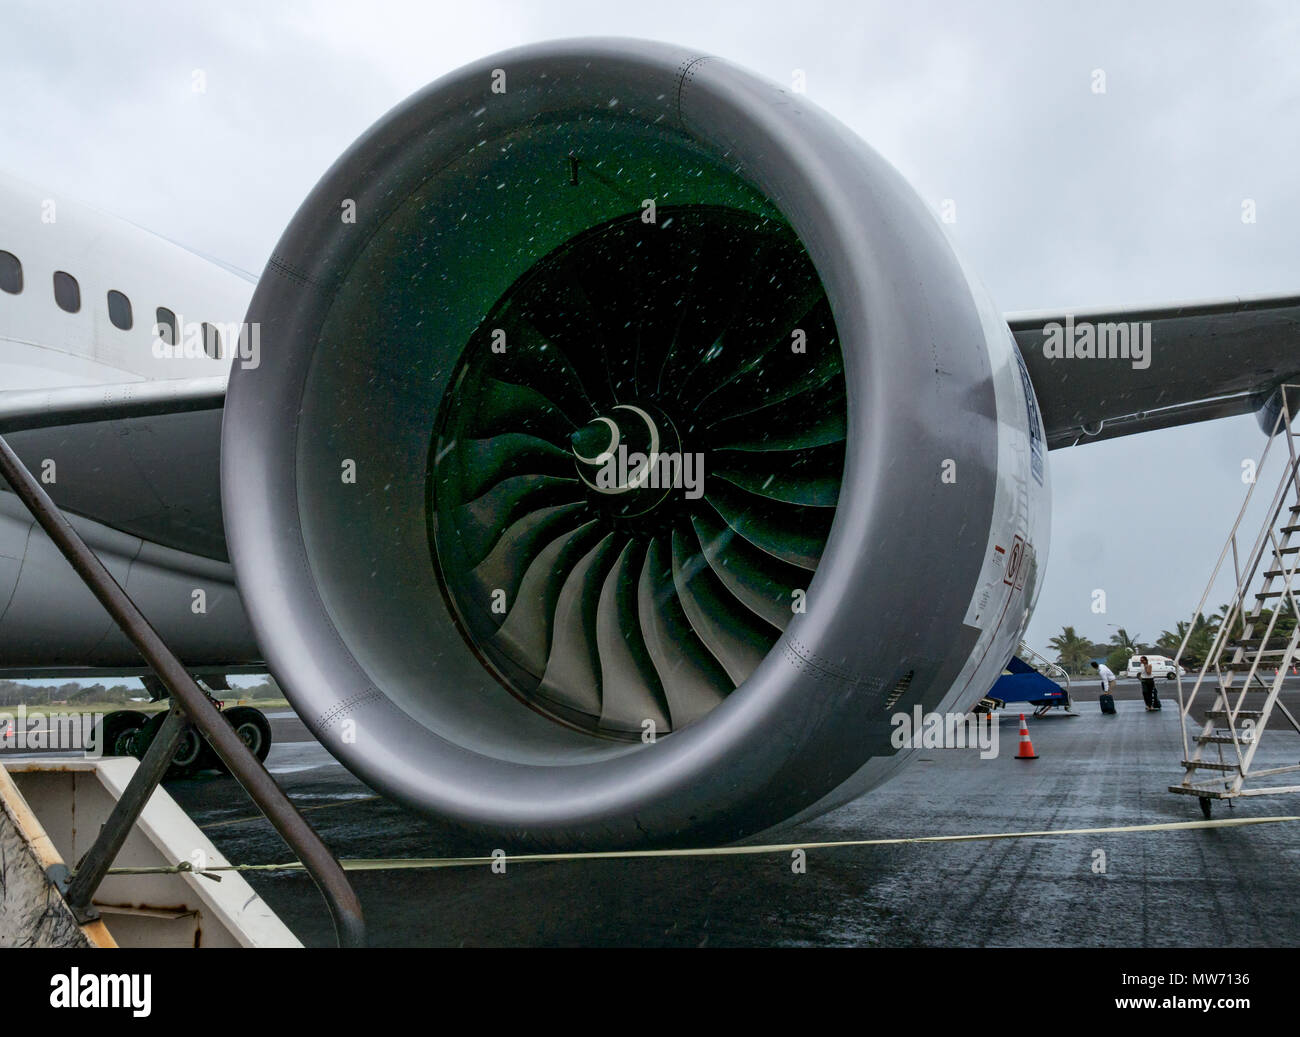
pixel 407 863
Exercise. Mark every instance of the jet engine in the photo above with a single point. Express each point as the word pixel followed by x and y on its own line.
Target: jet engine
pixel 627 449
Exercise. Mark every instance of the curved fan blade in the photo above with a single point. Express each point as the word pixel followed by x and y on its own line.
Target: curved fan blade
pixel 758 340
pixel 560 310
pixel 705 337
pixel 483 520
pixel 737 641
pixel 507 408
pixel 782 374
pixel 504 568
pixel 532 359
pixel 630 693
pixel 785 531
pixel 760 582
pixel 572 675
pixel 691 677
pixel 711 303
pixel 813 418
pixel 809 477
pixel 486 462
pixel 525 635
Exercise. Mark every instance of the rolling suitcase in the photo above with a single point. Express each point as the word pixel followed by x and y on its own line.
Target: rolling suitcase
pixel 1107 703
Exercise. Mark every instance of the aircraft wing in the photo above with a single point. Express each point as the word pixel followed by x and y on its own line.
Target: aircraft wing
pixel 1206 360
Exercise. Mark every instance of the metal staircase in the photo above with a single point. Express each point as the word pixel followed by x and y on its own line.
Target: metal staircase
pixel 1257 640
pixel 1052 671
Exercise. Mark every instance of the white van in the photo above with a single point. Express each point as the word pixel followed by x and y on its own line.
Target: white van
pixel 1161 666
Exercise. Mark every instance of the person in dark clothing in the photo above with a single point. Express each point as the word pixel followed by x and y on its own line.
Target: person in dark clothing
pixel 1148 680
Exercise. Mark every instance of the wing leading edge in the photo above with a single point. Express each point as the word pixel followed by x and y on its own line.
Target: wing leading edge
pixel 1104 373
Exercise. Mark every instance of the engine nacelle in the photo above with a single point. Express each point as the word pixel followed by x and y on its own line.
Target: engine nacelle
pixel 528 277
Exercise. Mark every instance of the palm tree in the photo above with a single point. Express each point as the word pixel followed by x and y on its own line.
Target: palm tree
pixel 1130 643
pixel 1169 641
pixel 1072 651
pixel 1202 637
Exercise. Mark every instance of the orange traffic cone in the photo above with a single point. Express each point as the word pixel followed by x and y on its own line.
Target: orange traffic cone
pixel 1026 746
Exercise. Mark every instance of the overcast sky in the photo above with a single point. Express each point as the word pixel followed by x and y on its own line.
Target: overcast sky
pixel 1064 197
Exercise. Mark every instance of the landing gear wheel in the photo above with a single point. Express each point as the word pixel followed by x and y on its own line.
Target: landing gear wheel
pixel 1205 807
pixel 189 753
pixel 113 734
pixel 253 728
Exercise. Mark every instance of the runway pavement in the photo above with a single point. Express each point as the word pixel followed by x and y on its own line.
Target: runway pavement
pixel 1226 887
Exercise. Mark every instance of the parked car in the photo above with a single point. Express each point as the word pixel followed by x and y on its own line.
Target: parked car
pixel 1161 666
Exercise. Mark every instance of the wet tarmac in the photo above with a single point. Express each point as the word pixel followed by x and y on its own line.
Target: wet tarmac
pixel 1224 887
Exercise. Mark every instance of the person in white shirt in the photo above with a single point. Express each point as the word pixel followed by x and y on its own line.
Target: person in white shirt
pixel 1107 676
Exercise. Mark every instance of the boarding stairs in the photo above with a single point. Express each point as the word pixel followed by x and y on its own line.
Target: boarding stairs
pixel 1252 652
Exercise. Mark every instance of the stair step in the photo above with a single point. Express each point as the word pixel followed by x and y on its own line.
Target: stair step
pixel 1210 765
pixel 1219 738
pixel 1289 529
pixel 1270 574
pixel 1262 595
pixel 1242 714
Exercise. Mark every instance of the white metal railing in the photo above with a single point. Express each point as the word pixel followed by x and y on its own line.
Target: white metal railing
pixel 1282 517
pixel 1044 665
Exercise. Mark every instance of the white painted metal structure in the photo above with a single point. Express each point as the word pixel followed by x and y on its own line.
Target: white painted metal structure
pixel 1230 736
pixel 65 801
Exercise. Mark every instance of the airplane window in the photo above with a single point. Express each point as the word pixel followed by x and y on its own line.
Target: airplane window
pixel 67 293
pixel 211 341
pixel 119 310
pixel 165 327
pixel 11 273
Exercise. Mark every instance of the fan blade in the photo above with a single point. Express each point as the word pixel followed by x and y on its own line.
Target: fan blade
pixel 525 635
pixel 506 408
pixel 750 575
pixel 692 680
pixel 718 274
pixel 814 418
pixel 737 641
pixel 781 374
pixel 485 462
pixel 785 531
pixel 532 359
pixel 504 568
pixel 572 675
pixel 482 521
pixel 630 693
pixel 808 477
pixel 561 311
pixel 759 341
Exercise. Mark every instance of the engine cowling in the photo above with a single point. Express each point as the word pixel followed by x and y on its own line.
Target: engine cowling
pixel 525 277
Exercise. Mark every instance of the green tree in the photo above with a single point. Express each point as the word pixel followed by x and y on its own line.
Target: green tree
pixel 1170 641
pixel 1072 651
pixel 1122 645
pixel 1200 640
pixel 1123 639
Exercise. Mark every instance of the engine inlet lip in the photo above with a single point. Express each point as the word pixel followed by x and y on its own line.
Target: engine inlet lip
pixel 827 185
